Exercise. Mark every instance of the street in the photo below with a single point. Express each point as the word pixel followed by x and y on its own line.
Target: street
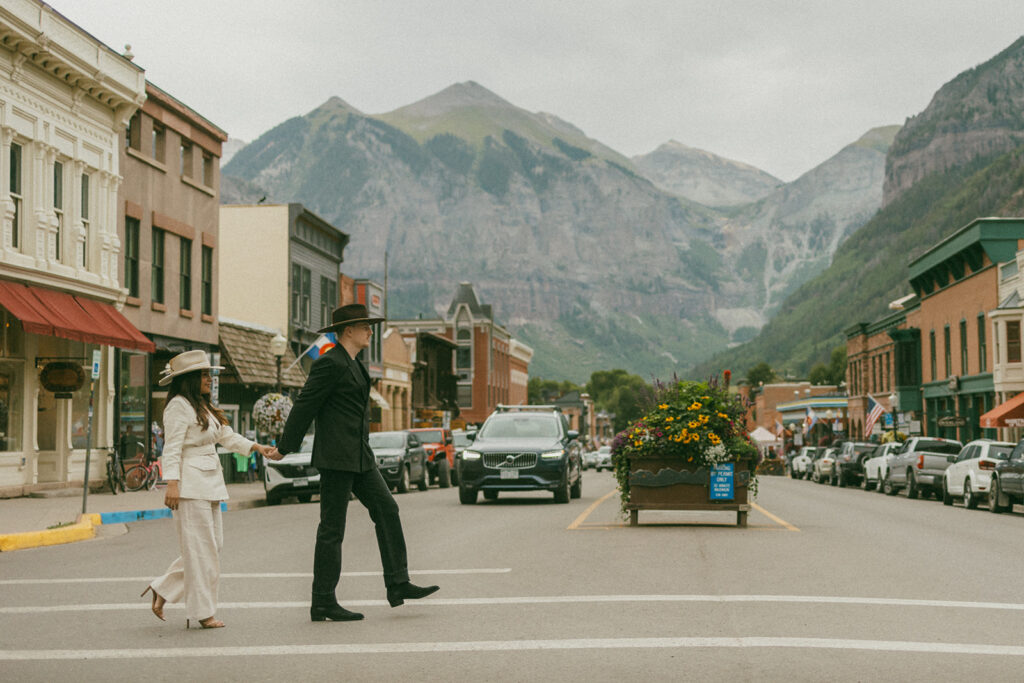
pixel 825 584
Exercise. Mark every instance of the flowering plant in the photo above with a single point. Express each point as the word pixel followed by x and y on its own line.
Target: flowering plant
pixel 270 412
pixel 696 422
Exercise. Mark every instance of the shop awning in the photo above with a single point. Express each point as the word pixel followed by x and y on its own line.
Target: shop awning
pixel 1007 414
pixel 59 314
pixel 378 399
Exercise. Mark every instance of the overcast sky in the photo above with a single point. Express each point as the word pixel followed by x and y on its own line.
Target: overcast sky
pixel 778 85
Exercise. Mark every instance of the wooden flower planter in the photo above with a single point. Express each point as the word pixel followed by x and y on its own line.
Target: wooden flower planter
pixel 668 484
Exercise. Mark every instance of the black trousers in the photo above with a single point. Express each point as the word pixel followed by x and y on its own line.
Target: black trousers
pixel 371 490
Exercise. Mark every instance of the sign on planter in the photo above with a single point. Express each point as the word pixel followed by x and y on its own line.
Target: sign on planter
pixel 721 487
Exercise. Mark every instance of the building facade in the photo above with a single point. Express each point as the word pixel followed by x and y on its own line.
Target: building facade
pixel 169 216
pixel 64 100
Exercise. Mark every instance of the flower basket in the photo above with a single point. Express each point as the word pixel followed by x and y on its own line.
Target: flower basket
pixel 688 452
pixel 270 412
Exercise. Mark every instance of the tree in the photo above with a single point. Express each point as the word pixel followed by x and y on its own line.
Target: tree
pixel 837 366
pixel 820 374
pixel 760 373
pixel 620 393
pixel 542 391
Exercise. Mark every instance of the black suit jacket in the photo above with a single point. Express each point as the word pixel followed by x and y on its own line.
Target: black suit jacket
pixel 337 396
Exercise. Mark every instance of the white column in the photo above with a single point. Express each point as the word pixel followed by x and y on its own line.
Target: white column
pixel 73 217
pixel 6 203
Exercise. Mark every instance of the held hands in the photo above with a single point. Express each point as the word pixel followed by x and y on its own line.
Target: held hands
pixel 268 452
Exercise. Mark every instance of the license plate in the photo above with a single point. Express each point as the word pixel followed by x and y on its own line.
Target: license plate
pixel 300 482
pixel 510 474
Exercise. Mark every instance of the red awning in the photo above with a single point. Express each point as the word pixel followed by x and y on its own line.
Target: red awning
pixel 59 314
pixel 1007 414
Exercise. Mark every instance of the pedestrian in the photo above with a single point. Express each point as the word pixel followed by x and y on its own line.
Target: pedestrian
pixel 337 396
pixel 193 426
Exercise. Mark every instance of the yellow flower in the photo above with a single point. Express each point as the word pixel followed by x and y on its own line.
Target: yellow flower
pixel 696 437
pixel 723 416
pixel 669 418
pixel 694 424
pixel 663 406
pixel 704 419
pixel 713 438
pixel 695 406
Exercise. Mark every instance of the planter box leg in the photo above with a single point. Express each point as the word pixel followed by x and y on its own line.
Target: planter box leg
pixel 634 517
pixel 741 518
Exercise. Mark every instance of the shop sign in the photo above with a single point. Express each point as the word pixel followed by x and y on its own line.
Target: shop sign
pixel 62 378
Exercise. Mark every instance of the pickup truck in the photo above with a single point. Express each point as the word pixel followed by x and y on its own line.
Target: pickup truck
pixel 919 466
pixel 850 461
pixel 1007 485
pixel 877 465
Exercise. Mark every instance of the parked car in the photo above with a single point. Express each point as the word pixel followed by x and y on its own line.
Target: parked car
pixel 970 474
pixel 850 461
pixel 876 465
pixel 1007 485
pixel 401 459
pixel 920 465
pixel 801 465
pixel 522 448
pixel 822 467
pixel 440 447
pixel 293 476
pixel 604 458
pixel 461 439
pixel 589 459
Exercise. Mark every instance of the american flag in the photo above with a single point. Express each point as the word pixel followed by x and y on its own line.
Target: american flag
pixel 875 412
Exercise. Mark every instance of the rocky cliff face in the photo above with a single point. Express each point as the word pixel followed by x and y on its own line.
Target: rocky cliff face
pixel 704 177
pixel 572 246
pixel 980 113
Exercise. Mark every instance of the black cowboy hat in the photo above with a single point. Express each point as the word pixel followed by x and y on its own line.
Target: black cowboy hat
pixel 350 314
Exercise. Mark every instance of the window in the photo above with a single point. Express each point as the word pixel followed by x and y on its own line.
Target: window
pixel 157 271
pixel 1013 341
pixel 158 145
pixel 207 169
pixel 185 279
pixel 982 350
pixel 963 347
pixel 207 284
pixel 58 208
pixel 948 352
pixel 131 256
pixel 85 220
pixel 10 407
pixel 15 190
pixel 133 136
pixel 931 342
pixel 301 294
pixel 186 159
pixel 328 299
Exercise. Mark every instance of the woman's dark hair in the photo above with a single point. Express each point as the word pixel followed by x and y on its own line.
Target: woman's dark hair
pixel 189 386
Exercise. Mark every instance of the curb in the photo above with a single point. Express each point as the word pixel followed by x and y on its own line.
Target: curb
pixel 85 528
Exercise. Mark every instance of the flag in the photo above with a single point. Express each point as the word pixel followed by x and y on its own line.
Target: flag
pixel 875 411
pixel 322 345
pixel 810 420
pixel 779 429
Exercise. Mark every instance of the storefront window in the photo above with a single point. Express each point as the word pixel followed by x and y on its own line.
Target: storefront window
pixel 132 428
pixel 80 408
pixel 10 407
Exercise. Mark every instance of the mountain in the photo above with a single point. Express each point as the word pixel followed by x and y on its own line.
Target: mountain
pixel 230 149
pixel 980 113
pixel 704 177
pixel 582 257
pixel 949 169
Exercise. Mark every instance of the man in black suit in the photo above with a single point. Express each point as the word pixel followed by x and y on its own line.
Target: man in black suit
pixel 337 396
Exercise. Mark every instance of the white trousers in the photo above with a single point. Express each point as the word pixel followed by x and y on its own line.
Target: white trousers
pixel 196 572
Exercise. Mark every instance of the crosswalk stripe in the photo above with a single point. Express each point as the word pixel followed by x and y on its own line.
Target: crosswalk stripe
pixel 278 575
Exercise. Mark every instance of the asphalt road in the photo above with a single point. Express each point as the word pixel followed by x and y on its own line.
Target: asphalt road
pixel 825 584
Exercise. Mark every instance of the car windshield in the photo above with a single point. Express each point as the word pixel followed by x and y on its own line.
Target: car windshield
pixel 460 440
pixel 1000 452
pixel 519 426
pixel 948 447
pixel 307 444
pixel 387 440
pixel 431 436
pixel 605 450
pixel 863 447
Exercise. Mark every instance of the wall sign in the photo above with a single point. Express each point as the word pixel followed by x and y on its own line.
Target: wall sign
pixel 722 482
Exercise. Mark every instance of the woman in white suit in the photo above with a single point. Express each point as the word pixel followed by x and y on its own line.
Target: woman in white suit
pixel 193 427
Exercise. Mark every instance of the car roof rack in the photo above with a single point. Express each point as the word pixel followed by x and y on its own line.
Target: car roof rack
pixel 503 408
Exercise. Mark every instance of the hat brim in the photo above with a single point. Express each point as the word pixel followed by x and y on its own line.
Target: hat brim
pixel 355 321
pixel 166 379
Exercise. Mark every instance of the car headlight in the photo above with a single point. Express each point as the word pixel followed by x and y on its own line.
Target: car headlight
pixel 551 455
pixel 470 455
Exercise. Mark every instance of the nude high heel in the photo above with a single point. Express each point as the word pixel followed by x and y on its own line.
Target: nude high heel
pixel 208 622
pixel 158 603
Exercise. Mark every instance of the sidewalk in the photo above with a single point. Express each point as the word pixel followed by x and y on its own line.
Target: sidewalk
pixel 25 522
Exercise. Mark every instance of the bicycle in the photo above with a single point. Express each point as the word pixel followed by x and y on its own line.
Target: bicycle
pixel 115 470
pixel 142 475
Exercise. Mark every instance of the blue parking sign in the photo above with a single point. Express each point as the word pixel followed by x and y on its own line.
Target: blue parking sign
pixel 721 484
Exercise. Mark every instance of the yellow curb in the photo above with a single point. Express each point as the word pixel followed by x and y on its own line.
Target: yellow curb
pixel 83 529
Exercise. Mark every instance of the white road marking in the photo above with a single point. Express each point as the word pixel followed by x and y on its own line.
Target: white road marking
pixel 984 649
pixel 554 599
pixel 281 575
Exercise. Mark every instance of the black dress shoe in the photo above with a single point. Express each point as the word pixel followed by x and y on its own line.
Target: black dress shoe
pixel 332 613
pixel 397 595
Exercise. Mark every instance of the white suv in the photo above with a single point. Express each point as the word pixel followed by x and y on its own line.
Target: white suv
pixel 970 474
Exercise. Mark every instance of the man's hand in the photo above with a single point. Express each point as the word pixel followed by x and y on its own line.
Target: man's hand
pixel 273 454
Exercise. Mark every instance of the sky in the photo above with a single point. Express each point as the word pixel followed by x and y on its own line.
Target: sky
pixel 781 86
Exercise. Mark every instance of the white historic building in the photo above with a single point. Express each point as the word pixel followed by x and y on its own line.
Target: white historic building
pixel 64 100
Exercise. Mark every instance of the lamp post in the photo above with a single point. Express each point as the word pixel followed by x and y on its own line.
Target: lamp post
pixel 893 400
pixel 278 347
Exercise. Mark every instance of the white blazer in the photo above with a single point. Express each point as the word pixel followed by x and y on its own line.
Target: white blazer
pixel 190 452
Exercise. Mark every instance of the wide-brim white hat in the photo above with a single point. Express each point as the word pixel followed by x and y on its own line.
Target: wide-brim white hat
pixel 189 361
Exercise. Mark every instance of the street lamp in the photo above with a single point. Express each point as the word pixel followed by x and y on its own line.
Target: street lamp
pixel 278 347
pixel 893 401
